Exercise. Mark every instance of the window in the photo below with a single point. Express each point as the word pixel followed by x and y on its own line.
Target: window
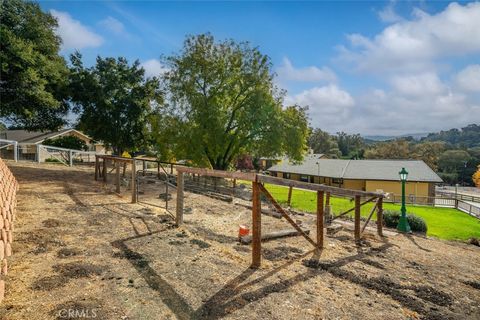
pixel 337 180
pixel 304 178
pixel 286 175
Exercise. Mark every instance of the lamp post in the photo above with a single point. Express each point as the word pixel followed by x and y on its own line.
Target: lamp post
pixel 403 225
pixel 318 172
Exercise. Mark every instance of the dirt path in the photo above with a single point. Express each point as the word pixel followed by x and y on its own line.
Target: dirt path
pixel 83 252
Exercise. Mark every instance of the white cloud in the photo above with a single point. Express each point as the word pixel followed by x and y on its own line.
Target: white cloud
pixel 153 68
pixel 328 106
pixel 388 14
pixel 395 113
pixel 468 79
pixel 415 44
pixel 418 84
pixel 287 72
pixel 112 25
pixel 74 35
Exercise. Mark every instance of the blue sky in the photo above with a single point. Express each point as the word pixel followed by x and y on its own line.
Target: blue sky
pixel 368 67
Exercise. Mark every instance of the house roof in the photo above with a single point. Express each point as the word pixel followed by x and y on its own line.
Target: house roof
pixel 33 137
pixel 360 169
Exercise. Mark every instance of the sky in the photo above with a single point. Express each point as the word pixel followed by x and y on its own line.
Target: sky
pixel 375 68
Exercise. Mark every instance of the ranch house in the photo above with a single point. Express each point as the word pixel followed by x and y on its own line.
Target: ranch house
pixel 28 140
pixel 366 175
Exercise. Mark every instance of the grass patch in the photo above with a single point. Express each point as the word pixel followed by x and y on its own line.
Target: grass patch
pixel 443 223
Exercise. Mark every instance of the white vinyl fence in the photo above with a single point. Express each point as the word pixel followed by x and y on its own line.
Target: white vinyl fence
pixel 66 156
pixel 9 149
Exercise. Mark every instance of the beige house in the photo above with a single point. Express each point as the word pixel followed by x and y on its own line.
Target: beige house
pixel 366 175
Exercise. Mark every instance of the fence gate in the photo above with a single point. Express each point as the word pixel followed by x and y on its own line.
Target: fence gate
pixel 66 156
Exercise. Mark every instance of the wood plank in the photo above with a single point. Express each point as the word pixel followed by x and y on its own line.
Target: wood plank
pixel 284 214
pixel 218 173
pixel 289 200
pixel 97 163
pixel 274 235
pixel 104 171
pixel 179 211
pixel 370 216
pixel 380 217
pixel 256 226
pixel 123 159
pixel 351 209
pixel 357 218
pixel 320 219
pixel 134 183
pixel 117 176
pixel 316 187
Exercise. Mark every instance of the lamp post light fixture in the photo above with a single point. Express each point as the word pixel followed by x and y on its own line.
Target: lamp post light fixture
pixel 403 225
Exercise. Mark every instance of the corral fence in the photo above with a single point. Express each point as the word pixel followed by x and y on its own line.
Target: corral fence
pixel 8 204
pixel 459 196
pixel 163 184
pixel 259 185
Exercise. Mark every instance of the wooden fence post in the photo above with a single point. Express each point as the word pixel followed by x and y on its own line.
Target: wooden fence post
pixel 320 219
pixel 134 182
pixel 96 167
pixel 179 213
pixel 380 217
pixel 289 201
pixel 357 218
pixel 104 171
pixel 256 227
pixel 117 175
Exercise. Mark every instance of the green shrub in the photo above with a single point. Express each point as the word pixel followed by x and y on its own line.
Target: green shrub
pixel 391 218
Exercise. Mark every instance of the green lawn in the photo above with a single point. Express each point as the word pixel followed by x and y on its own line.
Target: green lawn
pixel 444 223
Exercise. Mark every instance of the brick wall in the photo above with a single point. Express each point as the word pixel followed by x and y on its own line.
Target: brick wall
pixel 8 203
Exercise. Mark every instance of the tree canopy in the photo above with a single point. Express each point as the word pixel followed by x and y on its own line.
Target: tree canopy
pixel 468 136
pixel 222 102
pixel 322 142
pixel 34 76
pixel 69 142
pixel 114 101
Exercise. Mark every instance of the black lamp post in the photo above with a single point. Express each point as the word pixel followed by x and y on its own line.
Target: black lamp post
pixel 403 225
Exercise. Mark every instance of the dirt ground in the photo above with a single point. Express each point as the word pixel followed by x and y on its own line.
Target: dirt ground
pixel 81 251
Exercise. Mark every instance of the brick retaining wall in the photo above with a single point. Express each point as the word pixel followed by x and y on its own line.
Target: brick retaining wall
pixel 8 203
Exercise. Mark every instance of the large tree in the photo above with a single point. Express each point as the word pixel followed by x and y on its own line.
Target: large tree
pixel 114 101
pixel 223 103
pixel 33 75
pixel 322 142
pixel 396 149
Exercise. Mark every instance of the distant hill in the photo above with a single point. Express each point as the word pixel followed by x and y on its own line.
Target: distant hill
pixel 468 136
pixel 415 136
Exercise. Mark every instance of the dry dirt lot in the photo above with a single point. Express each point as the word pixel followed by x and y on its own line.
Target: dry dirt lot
pixel 83 252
